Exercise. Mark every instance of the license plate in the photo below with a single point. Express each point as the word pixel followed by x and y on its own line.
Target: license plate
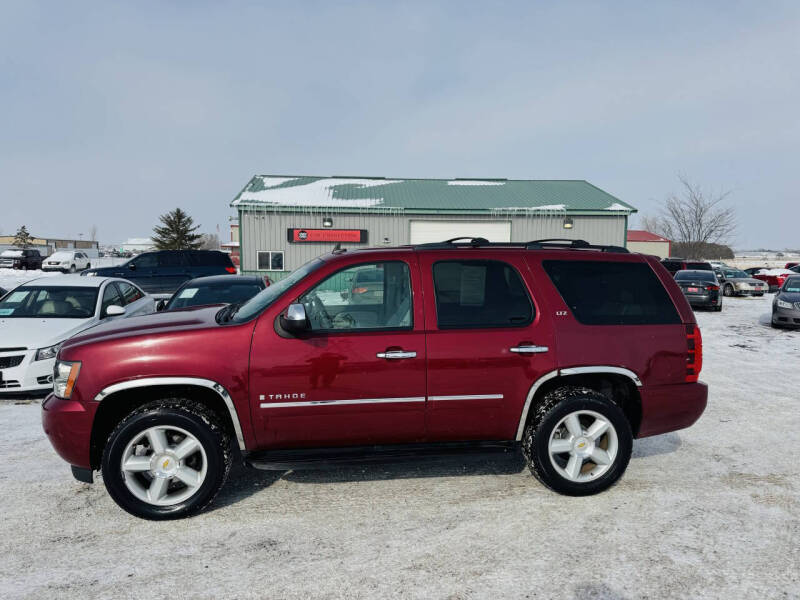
pixel 694 289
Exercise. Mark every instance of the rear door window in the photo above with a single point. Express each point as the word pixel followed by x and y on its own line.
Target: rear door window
pixel 170 259
pixel 130 293
pixel 612 293
pixel 474 294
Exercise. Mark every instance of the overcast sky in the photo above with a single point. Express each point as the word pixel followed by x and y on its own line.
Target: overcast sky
pixel 112 113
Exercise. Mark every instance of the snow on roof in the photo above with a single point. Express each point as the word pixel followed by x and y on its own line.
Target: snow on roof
pixel 425 195
pixel 315 193
pixel 774 272
pixel 475 182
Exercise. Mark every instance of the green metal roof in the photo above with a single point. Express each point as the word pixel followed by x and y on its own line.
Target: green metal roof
pixel 379 194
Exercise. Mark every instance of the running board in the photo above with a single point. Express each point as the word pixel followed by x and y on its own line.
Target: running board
pixel 321 458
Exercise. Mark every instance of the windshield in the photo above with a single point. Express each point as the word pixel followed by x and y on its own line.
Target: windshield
pixel 214 293
pixel 736 273
pixel 267 296
pixel 701 275
pixel 792 285
pixel 49 302
pixel 11 253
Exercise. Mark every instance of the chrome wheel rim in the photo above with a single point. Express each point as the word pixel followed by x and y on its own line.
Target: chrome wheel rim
pixel 164 465
pixel 583 446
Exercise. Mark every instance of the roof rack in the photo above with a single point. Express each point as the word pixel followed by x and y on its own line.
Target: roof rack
pixel 337 249
pixel 554 243
pixel 576 244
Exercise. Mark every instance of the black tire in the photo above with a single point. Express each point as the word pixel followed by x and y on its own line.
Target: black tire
pixel 727 290
pixel 555 406
pixel 718 308
pixel 194 418
pixel 72 268
pixel 88 266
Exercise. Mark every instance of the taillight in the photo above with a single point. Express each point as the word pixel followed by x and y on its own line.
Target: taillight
pixel 231 270
pixel 713 288
pixel 694 353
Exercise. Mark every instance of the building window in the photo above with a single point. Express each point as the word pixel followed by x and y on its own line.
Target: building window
pixel 270 260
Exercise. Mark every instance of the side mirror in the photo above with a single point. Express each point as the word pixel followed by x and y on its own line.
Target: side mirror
pixel 115 310
pixel 295 319
pixel 161 305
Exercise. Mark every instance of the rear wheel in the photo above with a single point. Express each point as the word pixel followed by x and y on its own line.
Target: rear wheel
pixel 166 460
pixel 728 290
pixel 578 442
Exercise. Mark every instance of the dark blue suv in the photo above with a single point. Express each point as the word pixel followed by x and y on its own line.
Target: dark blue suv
pixel 164 271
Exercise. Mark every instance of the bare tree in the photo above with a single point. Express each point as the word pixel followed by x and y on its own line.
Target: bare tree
pixel 694 218
pixel 209 241
pixel 93 233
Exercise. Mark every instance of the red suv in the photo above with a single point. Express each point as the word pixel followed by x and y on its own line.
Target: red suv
pixel 565 349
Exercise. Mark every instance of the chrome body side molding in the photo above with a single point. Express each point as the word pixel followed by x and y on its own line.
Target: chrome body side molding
pixel 340 402
pixel 603 369
pixel 594 369
pixel 161 381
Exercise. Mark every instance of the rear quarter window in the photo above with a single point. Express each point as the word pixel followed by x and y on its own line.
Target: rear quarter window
pixel 612 293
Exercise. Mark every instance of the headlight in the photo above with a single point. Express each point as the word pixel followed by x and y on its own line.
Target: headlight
pixel 783 304
pixel 65 374
pixel 50 352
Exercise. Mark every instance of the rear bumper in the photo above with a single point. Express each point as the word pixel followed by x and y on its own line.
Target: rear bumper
pixel 671 407
pixel 703 299
pixel 68 425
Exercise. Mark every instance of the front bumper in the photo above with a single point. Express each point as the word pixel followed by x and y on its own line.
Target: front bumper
pixel 671 407
pixel 68 425
pixel 785 317
pixel 29 375
pixel 54 268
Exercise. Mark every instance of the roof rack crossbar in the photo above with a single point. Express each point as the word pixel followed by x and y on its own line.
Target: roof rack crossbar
pixel 578 244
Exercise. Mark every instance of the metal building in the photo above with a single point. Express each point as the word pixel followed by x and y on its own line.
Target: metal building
pixel 287 220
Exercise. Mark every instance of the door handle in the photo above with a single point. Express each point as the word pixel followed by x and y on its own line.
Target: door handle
pixel 396 354
pixel 530 349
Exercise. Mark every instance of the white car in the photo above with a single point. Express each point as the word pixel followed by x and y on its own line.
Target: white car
pixel 36 318
pixel 67 261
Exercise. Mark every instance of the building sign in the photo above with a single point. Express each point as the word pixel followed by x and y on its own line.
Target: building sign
pixel 353 236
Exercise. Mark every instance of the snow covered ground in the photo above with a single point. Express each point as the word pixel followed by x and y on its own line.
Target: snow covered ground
pixel 709 512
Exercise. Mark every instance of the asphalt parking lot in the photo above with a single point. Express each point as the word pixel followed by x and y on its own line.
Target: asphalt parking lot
pixel 708 512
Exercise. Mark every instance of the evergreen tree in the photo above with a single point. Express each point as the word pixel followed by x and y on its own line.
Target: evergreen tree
pixel 23 239
pixel 177 232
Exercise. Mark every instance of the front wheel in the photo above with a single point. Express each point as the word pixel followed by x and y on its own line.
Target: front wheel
pixel 578 442
pixel 72 269
pixel 166 460
pixel 728 290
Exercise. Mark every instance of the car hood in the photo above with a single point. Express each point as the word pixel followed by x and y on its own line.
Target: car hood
pixel 789 296
pixel 38 332
pixel 163 323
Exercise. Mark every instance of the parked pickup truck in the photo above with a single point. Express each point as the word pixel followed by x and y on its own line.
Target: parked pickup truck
pixel 563 349
pixel 23 259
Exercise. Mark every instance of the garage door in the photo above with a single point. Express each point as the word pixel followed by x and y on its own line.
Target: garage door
pixel 423 232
